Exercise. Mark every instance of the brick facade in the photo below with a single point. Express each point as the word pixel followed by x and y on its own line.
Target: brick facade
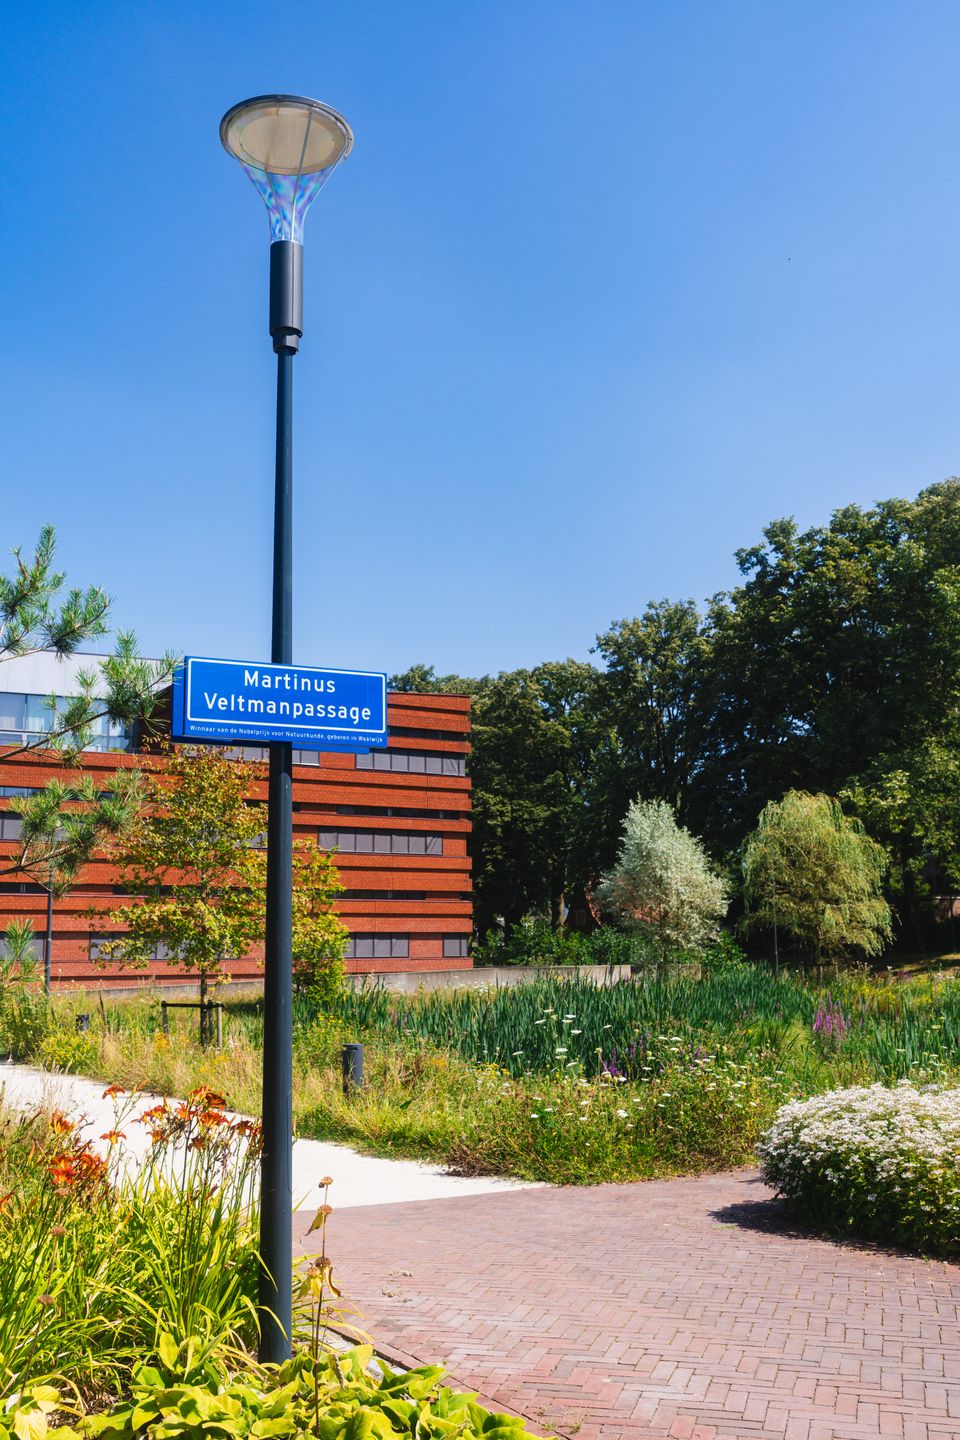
pixel 414 905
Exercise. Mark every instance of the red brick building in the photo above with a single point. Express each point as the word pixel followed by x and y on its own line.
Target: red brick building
pixel 399 819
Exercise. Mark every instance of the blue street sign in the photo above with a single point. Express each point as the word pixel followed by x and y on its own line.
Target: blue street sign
pixel 248 703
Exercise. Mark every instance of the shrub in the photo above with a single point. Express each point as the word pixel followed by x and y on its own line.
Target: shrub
pixel 66 1050
pixel 875 1161
pixel 324 1395
pixel 535 942
pixel 24 1020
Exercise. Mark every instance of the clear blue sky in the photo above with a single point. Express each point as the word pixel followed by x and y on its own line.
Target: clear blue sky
pixel 602 289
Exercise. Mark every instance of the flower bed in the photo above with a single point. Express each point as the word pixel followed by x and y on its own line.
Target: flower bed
pixel 128 1297
pixel 875 1161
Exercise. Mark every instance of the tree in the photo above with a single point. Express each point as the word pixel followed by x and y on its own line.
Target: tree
pixel 817 875
pixel 424 680
pixel 65 823
pixel 908 803
pixel 319 937
pixel 195 865
pixel 530 767
pixel 647 717
pixel 840 642
pixel 663 884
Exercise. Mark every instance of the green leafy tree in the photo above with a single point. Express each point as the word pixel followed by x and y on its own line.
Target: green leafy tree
pixel 841 641
pixel 195 866
pixel 648 719
pixel 424 680
pixel 817 875
pixel 663 885
pixel 70 819
pixel 319 937
pixel 908 802
pixel 530 766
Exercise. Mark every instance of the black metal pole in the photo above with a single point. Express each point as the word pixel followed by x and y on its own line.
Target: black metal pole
pixel 276 1177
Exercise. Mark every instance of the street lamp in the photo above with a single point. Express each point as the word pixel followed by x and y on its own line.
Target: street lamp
pixel 289 146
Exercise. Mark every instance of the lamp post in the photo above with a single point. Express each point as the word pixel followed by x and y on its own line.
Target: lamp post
pixel 288 146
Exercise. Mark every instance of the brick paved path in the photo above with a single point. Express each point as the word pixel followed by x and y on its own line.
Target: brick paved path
pixel 683 1309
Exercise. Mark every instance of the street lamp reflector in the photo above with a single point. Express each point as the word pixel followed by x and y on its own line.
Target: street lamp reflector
pixel 289 146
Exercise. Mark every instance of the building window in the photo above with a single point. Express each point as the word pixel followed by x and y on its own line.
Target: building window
pixel 36 948
pixel 407 811
pixel 10 827
pixel 455 947
pixel 377 947
pixel 25 719
pixel 387 895
pixel 413 762
pixel 20 887
pixel 257 753
pixel 159 951
pixel 379 842
pixel 412 733
pixel 9 792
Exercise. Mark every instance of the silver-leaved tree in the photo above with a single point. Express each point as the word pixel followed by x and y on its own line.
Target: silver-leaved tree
pixel 663 885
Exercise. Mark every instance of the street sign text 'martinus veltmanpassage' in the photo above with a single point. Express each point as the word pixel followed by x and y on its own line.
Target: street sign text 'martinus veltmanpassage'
pixel 250 703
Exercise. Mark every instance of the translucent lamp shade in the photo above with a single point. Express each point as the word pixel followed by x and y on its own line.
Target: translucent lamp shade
pixel 289 146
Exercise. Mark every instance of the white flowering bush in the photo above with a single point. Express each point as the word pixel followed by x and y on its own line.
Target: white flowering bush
pixel 875 1161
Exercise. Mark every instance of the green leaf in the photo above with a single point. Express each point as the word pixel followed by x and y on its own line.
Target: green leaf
pixel 29 1424
pixel 168 1350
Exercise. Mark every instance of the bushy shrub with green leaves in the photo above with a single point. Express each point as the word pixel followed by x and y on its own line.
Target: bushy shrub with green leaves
pixel 878 1161
pixel 69 1051
pixel 24 1021
pixel 535 942
pixel 329 1396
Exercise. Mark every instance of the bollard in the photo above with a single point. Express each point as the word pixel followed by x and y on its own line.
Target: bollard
pixel 352 1068
pixel 164 1018
pixel 83 1022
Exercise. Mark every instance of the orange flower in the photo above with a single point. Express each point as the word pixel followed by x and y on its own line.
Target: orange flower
pixel 59 1124
pixel 199 1142
pixel 156 1112
pixel 113 1136
pixel 91 1167
pixel 212 1117
pixel 204 1096
pixel 62 1170
pixel 112 1090
pixel 5 1200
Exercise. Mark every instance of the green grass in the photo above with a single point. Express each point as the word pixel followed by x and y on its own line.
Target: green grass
pixel 557 1080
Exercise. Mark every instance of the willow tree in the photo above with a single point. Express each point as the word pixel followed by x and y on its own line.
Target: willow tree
pixel 814 873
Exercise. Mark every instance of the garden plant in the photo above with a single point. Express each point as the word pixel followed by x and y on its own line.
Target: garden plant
pixel 558 1080
pixel 876 1161
pixel 127 1297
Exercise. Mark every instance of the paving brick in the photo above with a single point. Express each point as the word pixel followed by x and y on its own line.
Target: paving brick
pixel 627 1312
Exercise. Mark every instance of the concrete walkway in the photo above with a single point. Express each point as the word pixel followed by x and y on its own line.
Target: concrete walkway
pixel 673 1310
pixel 358 1179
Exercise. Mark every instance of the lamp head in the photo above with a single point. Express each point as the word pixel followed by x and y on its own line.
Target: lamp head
pixel 289 146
